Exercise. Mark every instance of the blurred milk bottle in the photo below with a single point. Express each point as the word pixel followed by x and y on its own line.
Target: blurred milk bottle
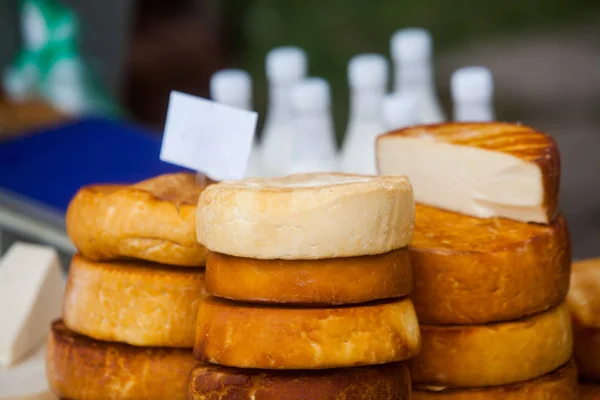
pixel 313 144
pixel 399 110
pixel 368 78
pixel 233 87
pixel 472 91
pixel 411 51
pixel 285 67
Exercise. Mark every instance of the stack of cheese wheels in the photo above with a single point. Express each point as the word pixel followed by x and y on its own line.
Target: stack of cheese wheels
pixel 309 276
pixel 491 259
pixel 584 302
pixel 129 319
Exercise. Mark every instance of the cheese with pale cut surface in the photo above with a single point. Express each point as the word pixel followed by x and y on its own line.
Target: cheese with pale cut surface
pixel 136 302
pixel 307 216
pixel 480 169
pixel 584 302
pixel 27 379
pixel 31 290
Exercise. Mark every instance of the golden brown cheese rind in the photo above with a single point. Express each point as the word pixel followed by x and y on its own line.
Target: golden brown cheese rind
pixel 382 382
pixel 331 281
pixel 558 385
pixel 473 271
pixel 520 141
pixel 254 336
pixel 307 216
pixel 81 368
pixel 138 303
pixel 153 220
pixel 584 303
pixel 493 354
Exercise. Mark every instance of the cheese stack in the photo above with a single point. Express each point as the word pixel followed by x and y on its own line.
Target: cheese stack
pixel 132 294
pixel 584 302
pixel 491 259
pixel 309 275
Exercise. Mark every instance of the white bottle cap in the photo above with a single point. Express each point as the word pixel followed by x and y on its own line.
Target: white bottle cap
pixel 287 63
pixel 311 94
pixel 232 87
pixel 400 110
pixel 472 84
pixel 367 70
pixel 411 45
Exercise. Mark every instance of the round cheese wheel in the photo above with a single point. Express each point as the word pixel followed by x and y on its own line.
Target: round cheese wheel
pixel 493 354
pixel 381 382
pixel 307 216
pixel 138 303
pixel 81 368
pixel 474 271
pixel 329 281
pixel 589 391
pixel 558 385
pixel 584 302
pixel 258 336
pixel 153 220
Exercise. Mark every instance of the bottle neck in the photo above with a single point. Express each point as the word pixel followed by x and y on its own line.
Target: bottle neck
pixel 416 78
pixel 365 103
pixel 474 112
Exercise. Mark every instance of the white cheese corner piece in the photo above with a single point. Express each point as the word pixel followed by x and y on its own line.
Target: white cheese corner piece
pixel 31 290
pixel 483 170
pixel 26 380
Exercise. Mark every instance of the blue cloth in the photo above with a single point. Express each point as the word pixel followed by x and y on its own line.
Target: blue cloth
pixel 50 166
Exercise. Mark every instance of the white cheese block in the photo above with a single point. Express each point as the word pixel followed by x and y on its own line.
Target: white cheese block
pixel 307 216
pixel 31 289
pixel 26 380
pixel 483 170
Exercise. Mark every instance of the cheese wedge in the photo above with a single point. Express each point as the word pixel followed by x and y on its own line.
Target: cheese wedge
pixel 558 385
pixel 307 216
pixel 484 170
pixel 138 303
pixel 27 379
pixel 153 220
pixel 589 391
pixel 85 369
pixel 584 302
pixel 493 354
pixel 257 336
pixel 329 281
pixel 31 289
pixel 474 271
pixel 381 382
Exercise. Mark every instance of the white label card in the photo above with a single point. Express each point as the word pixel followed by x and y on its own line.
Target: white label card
pixel 207 136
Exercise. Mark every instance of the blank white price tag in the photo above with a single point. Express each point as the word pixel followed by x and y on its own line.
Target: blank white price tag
pixel 208 137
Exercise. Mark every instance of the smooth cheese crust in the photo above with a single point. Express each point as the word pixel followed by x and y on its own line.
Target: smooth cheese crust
pixel 81 368
pixel 589 391
pixel 381 382
pixel 254 336
pixel 138 303
pixel 558 385
pixel 473 271
pixel 307 216
pixel 484 170
pixel 153 220
pixel 330 281
pixel 494 354
pixel 584 302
